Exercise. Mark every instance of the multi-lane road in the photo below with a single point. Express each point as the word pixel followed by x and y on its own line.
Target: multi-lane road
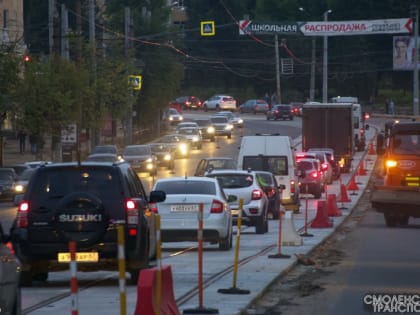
pixel 99 291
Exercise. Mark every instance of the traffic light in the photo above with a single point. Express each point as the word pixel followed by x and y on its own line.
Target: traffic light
pixel 26 58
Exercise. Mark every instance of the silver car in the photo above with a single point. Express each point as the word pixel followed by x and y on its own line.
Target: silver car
pixel 244 185
pixel 9 278
pixel 179 212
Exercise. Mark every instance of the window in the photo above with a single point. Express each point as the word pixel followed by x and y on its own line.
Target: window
pixel 274 164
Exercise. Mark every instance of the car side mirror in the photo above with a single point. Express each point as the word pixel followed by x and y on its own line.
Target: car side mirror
pixel 282 187
pixel 157 196
pixel 367 127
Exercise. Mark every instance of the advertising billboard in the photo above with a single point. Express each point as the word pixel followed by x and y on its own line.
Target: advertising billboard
pixel 403 53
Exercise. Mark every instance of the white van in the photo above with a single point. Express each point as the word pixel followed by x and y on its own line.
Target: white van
pixel 273 153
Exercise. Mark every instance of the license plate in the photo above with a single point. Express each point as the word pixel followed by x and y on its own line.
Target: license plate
pixel 184 208
pixel 80 257
pixel 234 212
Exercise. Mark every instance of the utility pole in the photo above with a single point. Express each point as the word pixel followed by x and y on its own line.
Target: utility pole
pixel 415 15
pixel 313 63
pixel 276 49
pixel 51 7
pixel 92 41
pixel 325 64
pixel 129 120
pixel 64 31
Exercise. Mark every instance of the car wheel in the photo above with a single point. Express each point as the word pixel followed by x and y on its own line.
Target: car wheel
pixel 261 226
pixel 205 108
pixel 229 136
pixel 226 243
pixel 82 232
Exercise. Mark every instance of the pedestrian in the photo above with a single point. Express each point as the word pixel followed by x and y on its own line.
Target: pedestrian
pixel 22 140
pixel 387 106
pixel 273 99
pixel 33 139
pixel 267 98
pixel 391 107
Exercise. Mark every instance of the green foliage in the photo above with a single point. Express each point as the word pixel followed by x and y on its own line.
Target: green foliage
pixel 9 80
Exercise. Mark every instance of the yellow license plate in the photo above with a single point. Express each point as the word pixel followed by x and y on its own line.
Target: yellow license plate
pixel 234 212
pixel 80 257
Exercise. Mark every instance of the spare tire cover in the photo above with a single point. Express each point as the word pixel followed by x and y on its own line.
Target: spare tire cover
pixel 81 217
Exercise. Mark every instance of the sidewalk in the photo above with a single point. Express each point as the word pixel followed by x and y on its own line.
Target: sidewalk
pixel 12 155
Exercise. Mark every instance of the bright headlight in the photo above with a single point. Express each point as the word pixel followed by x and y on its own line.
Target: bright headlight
pixel 211 130
pixel 167 157
pixel 19 188
pixel 171 118
pixel 391 163
pixel 183 148
pixel 181 118
pixel 195 138
pixel 240 121
pixel 229 127
pixel 149 160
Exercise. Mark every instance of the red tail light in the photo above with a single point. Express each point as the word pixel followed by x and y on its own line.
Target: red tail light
pixel 153 207
pixel 315 175
pixel 22 215
pixel 132 211
pixel 324 166
pixel 292 186
pixel 256 194
pixel 216 207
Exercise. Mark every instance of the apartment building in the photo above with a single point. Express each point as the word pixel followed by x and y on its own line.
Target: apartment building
pixel 11 23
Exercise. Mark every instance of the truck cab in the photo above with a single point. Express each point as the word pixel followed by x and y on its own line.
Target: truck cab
pixel 398 196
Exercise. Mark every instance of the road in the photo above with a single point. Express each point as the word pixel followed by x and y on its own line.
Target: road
pixel 99 290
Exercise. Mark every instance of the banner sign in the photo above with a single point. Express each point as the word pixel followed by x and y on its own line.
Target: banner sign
pixel 328 28
pixel 340 28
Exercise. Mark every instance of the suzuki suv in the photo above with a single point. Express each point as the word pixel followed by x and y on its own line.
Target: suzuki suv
pixel 84 203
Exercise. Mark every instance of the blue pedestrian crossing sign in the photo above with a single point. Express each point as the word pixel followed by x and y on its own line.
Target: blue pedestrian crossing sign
pixel 135 82
pixel 207 28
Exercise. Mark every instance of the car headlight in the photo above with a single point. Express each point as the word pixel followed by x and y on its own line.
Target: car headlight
pixel 19 188
pixel 181 118
pixel 240 121
pixel 167 157
pixel 195 138
pixel 171 118
pixel 149 160
pixel 183 148
pixel 229 127
pixel 211 130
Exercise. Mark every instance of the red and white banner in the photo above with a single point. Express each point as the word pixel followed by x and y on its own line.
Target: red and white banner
pixel 342 28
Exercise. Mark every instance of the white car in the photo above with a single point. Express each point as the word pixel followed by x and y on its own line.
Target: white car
pixel 244 185
pixel 179 212
pixel 193 135
pixel 220 102
pixel 234 119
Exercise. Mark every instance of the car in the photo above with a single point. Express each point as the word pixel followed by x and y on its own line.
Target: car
pixel 222 126
pixel 37 163
pixel 220 102
pixel 325 165
pixel 254 106
pixel 141 158
pixel 329 152
pixel 19 168
pixel 179 144
pixel 311 181
pixel 280 111
pixel 10 266
pixel 207 129
pixel 179 212
pixel 83 202
pixel 214 163
pixel 234 119
pixel 193 135
pixel 297 108
pixel 172 116
pixel 186 102
pixel 164 154
pixel 105 148
pixel 186 124
pixel 8 178
pixel 104 157
pixel 21 183
pixel 272 189
pixel 244 185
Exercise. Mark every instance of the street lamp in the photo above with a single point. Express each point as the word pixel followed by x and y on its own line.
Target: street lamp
pixel 415 15
pixel 325 64
pixel 313 63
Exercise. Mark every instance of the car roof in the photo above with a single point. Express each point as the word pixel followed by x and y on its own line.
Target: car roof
pixel 186 178
pixel 238 172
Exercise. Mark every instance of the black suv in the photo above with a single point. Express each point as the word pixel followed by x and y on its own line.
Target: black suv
pixel 83 202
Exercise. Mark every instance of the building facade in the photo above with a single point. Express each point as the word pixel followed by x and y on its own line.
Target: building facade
pixel 11 24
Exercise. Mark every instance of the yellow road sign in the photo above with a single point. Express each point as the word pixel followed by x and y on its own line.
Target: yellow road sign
pixel 135 81
pixel 208 28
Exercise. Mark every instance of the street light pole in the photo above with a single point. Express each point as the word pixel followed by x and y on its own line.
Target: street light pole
pixel 415 15
pixel 313 64
pixel 325 64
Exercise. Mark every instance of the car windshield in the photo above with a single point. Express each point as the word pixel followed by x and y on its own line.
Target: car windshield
pixel 188 131
pixel 57 183
pixel 234 180
pixel 219 120
pixel 26 174
pixel 159 148
pixel 221 164
pixel 173 111
pixel 187 187
pixel 6 176
pixel 203 123
pixel 144 150
pixel 274 164
pixel 104 149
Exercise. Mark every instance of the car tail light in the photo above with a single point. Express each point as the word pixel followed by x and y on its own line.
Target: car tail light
pixel 153 207
pixel 216 207
pixel 315 175
pixel 132 211
pixel 256 194
pixel 324 166
pixel 253 210
pixel 292 186
pixel 270 192
pixel 22 215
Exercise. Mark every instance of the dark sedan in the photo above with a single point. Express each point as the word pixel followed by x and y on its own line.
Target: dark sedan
pixel 269 184
pixel 280 111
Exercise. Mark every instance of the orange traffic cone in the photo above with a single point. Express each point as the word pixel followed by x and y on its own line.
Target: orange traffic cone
pixel 361 169
pixel 332 208
pixel 321 218
pixel 371 150
pixel 343 194
pixel 352 186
